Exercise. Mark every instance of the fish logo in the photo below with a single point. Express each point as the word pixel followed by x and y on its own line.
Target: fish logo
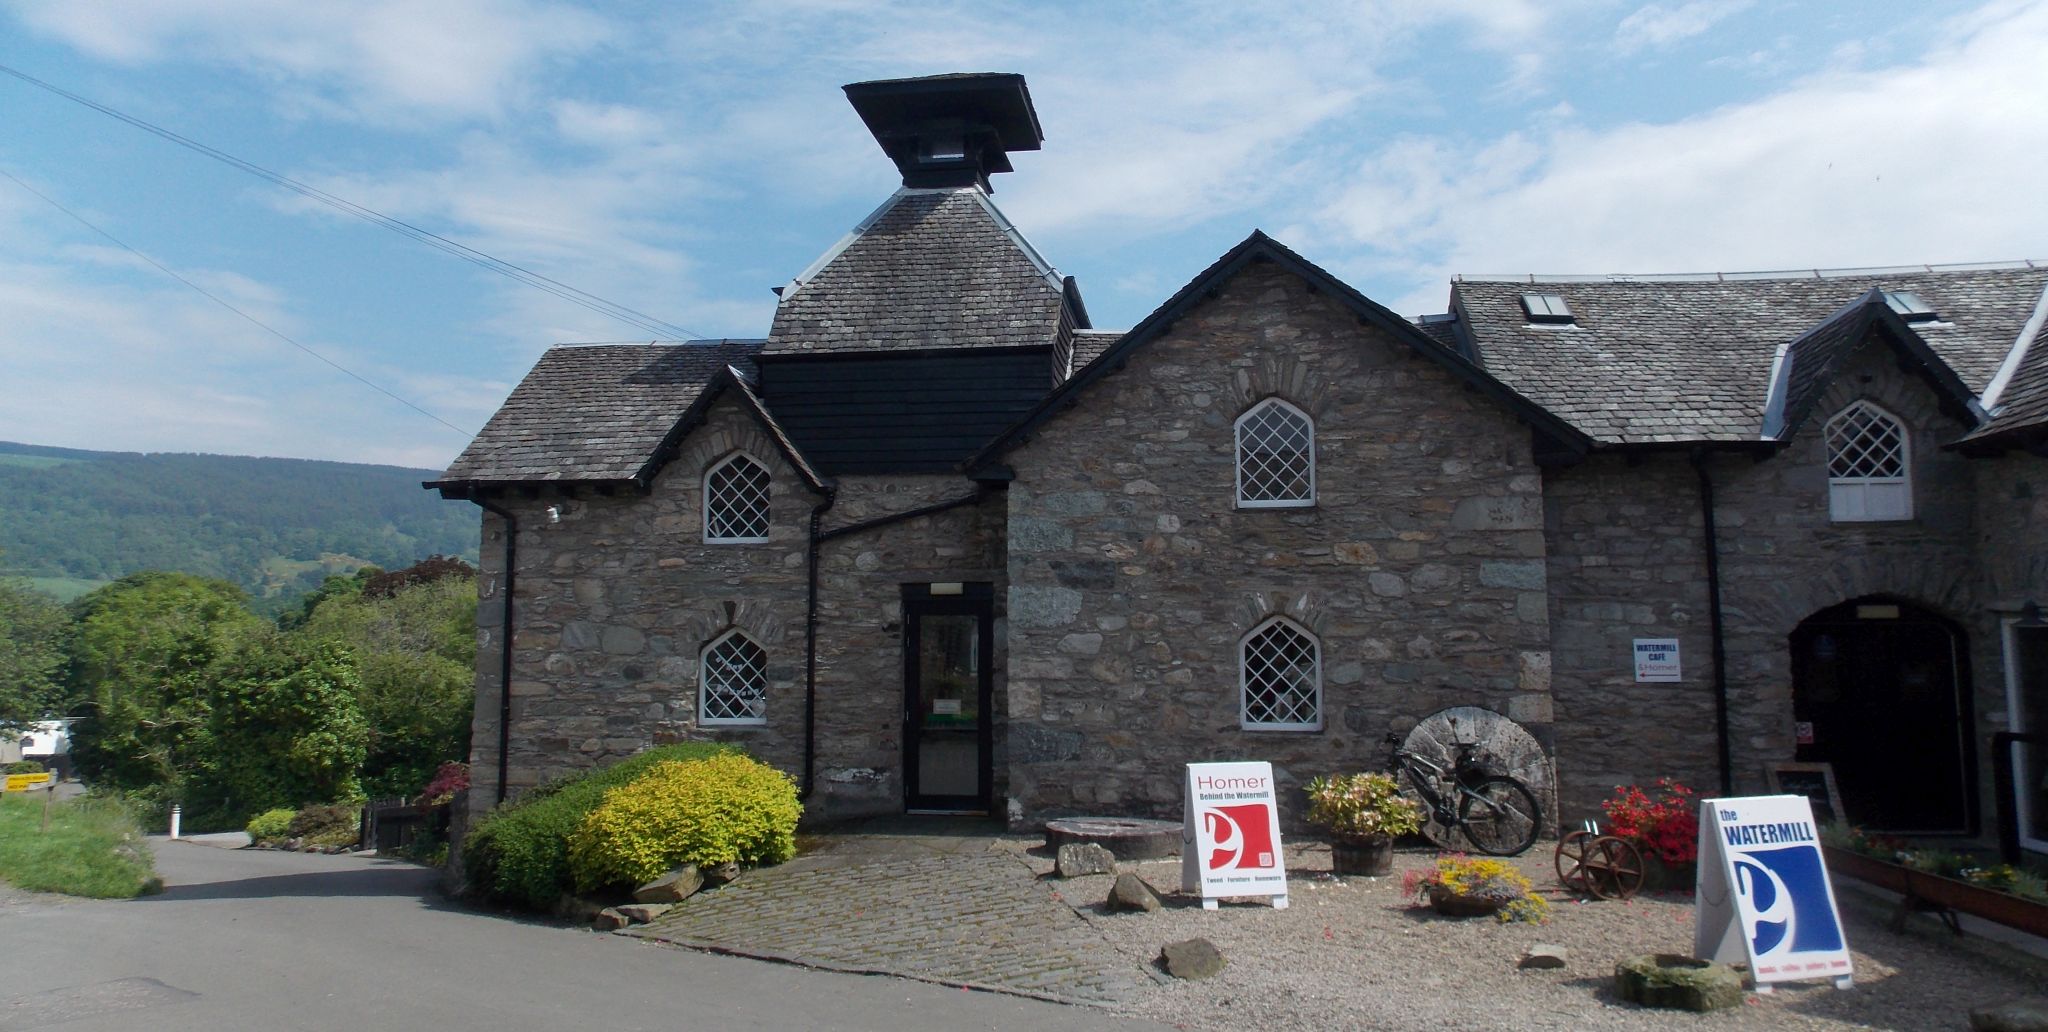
pixel 1788 901
pixel 1243 837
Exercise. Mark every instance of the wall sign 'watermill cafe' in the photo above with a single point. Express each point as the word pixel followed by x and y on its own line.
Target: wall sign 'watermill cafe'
pixel 1764 894
pixel 1230 841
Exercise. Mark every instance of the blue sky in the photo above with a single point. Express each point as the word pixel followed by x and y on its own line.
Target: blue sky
pixel 683 159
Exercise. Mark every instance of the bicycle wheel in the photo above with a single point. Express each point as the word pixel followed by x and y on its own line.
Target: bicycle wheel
pixel 1499 816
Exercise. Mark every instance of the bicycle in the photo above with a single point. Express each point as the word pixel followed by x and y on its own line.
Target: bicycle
pixel 1496 813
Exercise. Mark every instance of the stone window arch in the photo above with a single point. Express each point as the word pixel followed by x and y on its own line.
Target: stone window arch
pixel 736 501
pixel 732 681
pixel 1870 469
pixel 1276 457
pixel 1280 665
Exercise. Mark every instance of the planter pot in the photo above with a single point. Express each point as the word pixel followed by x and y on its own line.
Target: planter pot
pixel 1976 900
pixel 1450 904
pixel 1370 856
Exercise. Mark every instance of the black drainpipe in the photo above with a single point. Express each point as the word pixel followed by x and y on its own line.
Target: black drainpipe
pixel 811 615
pixel 505 644
pixel 1713 550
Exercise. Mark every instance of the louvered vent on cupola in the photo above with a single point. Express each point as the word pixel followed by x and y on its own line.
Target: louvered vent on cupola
pixel 949 130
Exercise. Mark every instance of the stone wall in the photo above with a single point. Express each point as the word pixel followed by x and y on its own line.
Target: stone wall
pixel 1627 562
pixel 1134 578
pixel 619 596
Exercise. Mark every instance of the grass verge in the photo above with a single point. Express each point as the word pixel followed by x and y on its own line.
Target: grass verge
pixel 93 848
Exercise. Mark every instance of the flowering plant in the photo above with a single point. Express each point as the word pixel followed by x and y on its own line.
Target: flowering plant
pixel 1362 804
pixel 1667 824
pixel 448 780
pixel 1456 874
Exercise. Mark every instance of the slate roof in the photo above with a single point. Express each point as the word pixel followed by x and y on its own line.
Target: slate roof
pixel 933 269
pixel 1666 360
pixel 594 414
pixel 2022 410
pixel 1261 248
pixel 1090 344
pixel 1812 362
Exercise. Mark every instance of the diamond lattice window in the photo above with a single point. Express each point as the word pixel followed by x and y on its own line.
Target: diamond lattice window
pixel 733 682
pixel 736 501
pixel 1869 467
pixel 1283 678
pixel 1276 457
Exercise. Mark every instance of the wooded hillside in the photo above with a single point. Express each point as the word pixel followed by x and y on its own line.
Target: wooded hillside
pixel 71 520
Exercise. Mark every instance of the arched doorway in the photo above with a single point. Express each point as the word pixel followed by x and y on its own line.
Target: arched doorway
pixel 1880 689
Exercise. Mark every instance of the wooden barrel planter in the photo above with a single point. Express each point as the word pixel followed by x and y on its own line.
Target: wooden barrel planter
pixel 1976 900
pixel 1370 856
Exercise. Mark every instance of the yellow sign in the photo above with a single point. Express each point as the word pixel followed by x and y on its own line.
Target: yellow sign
pixel 24 782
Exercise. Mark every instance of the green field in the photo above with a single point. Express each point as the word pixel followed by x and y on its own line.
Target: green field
pixel 64 589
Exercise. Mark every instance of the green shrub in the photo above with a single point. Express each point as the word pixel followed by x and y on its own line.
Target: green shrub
pixel 271 825
pixel 337 825
pixel 719 810
pixel 519 852
pixel 23 767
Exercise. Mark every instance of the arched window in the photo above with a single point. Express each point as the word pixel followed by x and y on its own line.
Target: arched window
pixel 1276 457
pixel 1869 466
pixel 736 501
pixel 1282 665
pixel 732 683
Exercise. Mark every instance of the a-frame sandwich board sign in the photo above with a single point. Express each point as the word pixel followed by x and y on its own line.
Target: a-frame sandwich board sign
pixel 1763 894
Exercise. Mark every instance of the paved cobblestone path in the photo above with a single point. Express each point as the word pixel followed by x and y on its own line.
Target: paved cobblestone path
pixel 967 919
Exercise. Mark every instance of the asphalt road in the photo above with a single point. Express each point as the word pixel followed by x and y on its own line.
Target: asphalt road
pixel 259 939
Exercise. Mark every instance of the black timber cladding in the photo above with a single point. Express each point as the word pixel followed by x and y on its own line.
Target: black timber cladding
pixel 902 413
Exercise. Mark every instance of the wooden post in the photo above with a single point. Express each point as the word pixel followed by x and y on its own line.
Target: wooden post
pixel 49 793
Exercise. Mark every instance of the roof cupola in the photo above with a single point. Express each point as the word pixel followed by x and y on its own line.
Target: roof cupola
pixel 949 130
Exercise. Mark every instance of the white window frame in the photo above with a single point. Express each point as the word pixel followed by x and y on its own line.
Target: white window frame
pixel 768 495
pixel 704 719
pixel 1244 678
pixel 2031 837
pixel 1869 499
pixel 1237 457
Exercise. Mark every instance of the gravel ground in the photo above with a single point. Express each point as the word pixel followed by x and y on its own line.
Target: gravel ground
pixel 1354 953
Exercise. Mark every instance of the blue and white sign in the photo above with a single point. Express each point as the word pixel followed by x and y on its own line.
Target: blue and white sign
pixel 1657 660
pixel 1763 892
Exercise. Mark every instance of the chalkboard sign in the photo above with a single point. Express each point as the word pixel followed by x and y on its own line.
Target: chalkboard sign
pixel 1815 781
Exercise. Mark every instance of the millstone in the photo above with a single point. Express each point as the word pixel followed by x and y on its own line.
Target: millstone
pixel 1677 982
pixel 1130 838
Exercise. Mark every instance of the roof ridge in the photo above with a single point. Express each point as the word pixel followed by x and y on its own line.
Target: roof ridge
pixel 1749 276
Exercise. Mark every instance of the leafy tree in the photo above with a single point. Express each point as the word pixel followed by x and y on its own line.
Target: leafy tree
pixel 285 730
pixel 415 651
pixel 144 656
pixel 34 634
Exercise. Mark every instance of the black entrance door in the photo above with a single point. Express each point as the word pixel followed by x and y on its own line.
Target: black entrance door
pixel 948 652
pixel 1879 691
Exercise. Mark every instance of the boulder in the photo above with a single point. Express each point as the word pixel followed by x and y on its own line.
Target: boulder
pixel 673 887
pixel 1543 956
pixel 575 909
pixel 1131 893
pixel 1079 858
pixel 721 874
pixel 1677 982
pixel 2029 1014
pixel 641 913
pixel 609 920
pixel 1191 958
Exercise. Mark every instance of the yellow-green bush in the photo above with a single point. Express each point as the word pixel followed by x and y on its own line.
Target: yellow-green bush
pixel 271 825
pixel 723 809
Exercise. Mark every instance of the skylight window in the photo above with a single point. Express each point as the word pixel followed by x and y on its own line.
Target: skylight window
pixel 1546 308
pixel 1910 306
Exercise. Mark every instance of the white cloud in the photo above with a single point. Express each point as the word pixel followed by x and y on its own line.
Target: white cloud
pixel 1659 25
pixel 444 58
pixel 1929 162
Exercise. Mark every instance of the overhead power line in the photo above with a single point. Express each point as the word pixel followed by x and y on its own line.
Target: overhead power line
pixel 217 299
pixel 658 327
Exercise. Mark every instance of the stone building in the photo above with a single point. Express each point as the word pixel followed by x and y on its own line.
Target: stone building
pixel 936 543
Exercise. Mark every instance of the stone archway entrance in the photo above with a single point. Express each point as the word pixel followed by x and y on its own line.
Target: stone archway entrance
pixel 1880 689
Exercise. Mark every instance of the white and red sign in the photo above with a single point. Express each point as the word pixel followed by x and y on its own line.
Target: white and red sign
pixel 1230 843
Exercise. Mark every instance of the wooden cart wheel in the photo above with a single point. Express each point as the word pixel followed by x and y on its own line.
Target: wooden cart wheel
pixel 1571 859
pixel 1613 868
